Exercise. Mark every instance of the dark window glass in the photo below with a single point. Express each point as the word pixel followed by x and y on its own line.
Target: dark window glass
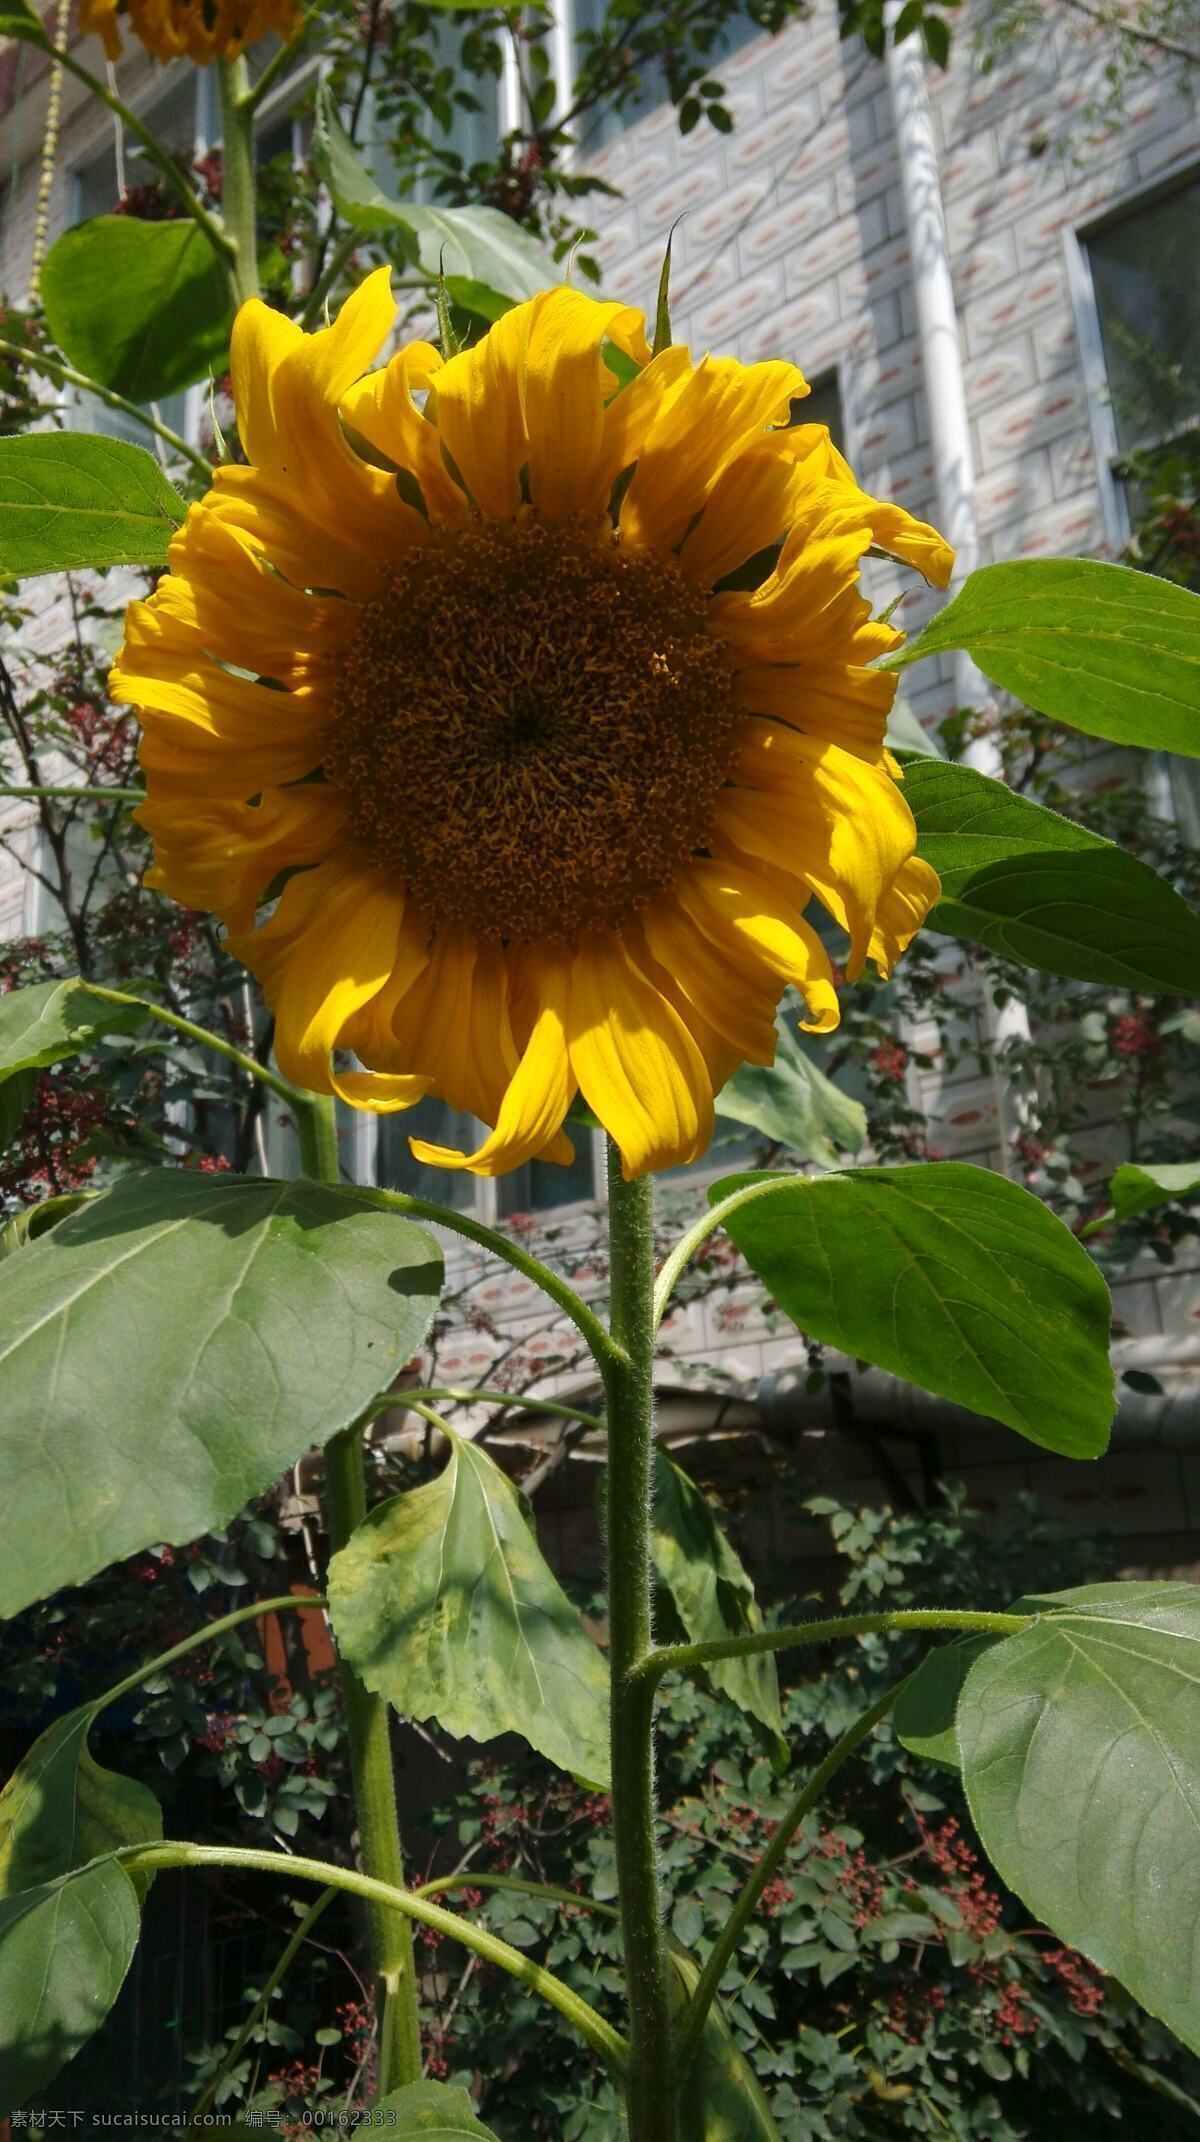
pixel 432 1120
pixel 1144 272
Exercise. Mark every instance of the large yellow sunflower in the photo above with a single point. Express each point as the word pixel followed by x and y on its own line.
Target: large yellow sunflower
pixel 199 30
pixel 547 701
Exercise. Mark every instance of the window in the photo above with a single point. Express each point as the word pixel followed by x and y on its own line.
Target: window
pixel 1138 301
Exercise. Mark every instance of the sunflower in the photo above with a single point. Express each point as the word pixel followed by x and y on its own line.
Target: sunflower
pixel 199 30
pixel 533 687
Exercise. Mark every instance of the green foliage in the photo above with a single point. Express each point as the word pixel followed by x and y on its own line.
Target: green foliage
pixel 477 245
pixel 947 1275
pixel 64 1950
pixel 60 1809
pixel 923 1719
pixel 1102 648
pixel 1039 889
pixel 1137 1189
pixel 710 1594
pixel 141 307
pixel 889 1984
pixel 721 2100
pixel 794 1105
pixel 50 1021
pixel 168 1349
pixel 443 1603
pixel 1080 1747
pixel 18 20
pixel 436 2110
pixel 68 499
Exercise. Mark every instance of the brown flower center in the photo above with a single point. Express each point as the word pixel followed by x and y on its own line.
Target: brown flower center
pixel 533 725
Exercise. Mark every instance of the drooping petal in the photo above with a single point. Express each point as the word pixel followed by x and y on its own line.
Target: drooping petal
pixel 741 910
pixel 838 824
pixel 538 1094
pixel 637 1066
pixel 326 951
pixel 915 888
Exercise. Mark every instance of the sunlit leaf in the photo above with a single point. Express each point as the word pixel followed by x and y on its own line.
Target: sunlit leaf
pixel 68 499
pixel 60 1809
pixel 442 1602
pixel 949 1276
pixel 792 1102
pixel 141 307
pixel 1103 648
pixel 169 1349
pixel 1038 888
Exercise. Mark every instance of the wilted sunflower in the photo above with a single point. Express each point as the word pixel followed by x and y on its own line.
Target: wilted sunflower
pixel 199 30
pixel 497 666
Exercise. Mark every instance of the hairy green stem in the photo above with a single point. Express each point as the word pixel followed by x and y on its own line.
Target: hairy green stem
pixel 160 156
pixel 686 1658
pixel 547 1891
pixel 67 376
pixel 560 1291
pixel 464 1395
pixel 287 1602
pixel 208 2096
pixel 237 185
pixel 725 1945
pixel 367 1728
pixel 629 1394
pixel 601 2036
pixel 708 1223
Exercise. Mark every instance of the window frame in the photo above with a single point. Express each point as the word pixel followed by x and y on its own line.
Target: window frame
pixel 1085 311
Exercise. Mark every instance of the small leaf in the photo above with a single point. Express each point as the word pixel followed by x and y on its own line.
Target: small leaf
pixel 949 1276
pixel 1035 887
pixel 712 1594
pixel 16 1093
pixel 924 1711
pixel 68 499
pixel 142 308
pixel 1102 648
pixel 64 1951
pixel 1080 1746
pixel 443 1603
pixel 662 310
pixel 1138 1187
pixel 438 2112
pixel 792 1102
pixel 476 298
pixel 169 1349
pixel 477 245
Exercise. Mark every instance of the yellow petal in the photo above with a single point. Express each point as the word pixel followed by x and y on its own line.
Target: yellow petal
pixel 637 1065
pixel 219 855
pixel 382 409
pixel 531 394
pixel 840 705
pixel 743 910
pixel 732 999
pixel 326 951
pixel 913 891
pixel 747 511
pixel 538 1094
pixel 840 825
pixel 712 414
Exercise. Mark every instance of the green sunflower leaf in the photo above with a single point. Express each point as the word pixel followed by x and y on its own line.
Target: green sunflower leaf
pixel 947 1275
pixel 925 1708
pixel 60 1809
pixel 168 1350
pixel 443 1603
pixel 480 246
pixel 1102 648
pixel 712 1595
pixel 143 308
pixel 68 499
pixel 1138 1187
pixel 65 1948
pixel 438 2112
pixel 1080 1748
pixel 1038 888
